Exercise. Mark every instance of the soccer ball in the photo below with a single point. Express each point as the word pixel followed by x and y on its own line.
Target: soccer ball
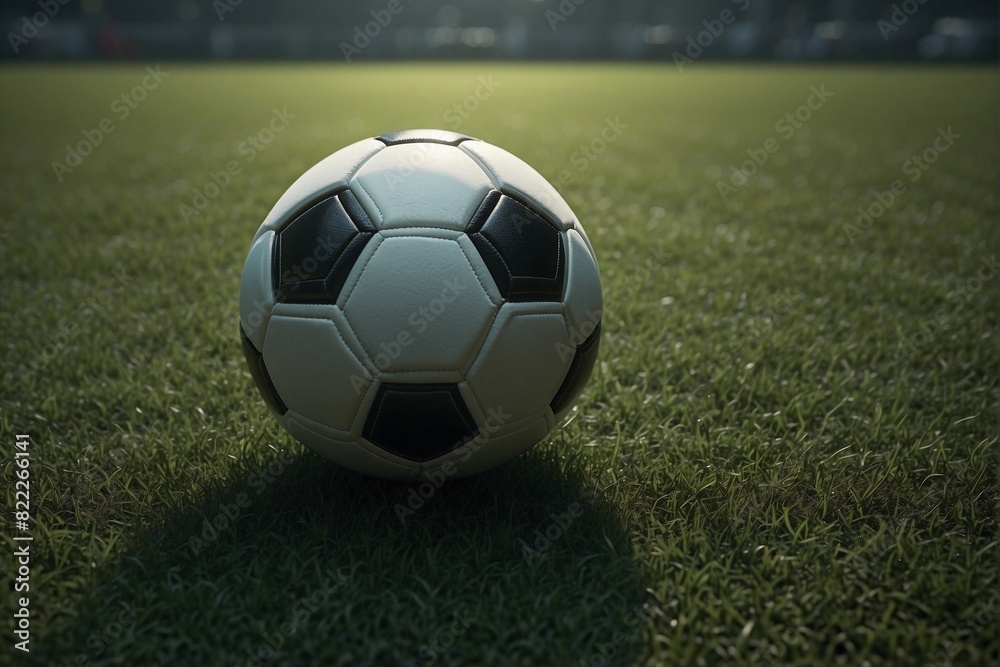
pixel 420 302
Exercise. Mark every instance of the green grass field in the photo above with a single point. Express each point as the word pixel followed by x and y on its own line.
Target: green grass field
pixel 786 455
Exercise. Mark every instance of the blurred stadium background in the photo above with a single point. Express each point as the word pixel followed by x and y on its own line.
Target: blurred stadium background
pixel 821 30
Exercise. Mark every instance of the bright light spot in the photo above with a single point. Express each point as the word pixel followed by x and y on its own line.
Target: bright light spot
pixel 442 36
pixel 658 34
pixel 478 37
pixel 830 29
pixel 953 27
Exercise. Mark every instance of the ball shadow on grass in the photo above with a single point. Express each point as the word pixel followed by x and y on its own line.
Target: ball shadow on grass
pixel 299 561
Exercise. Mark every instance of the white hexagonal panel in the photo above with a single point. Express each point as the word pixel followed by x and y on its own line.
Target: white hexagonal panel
pixel 419 306
pixel 314 371
pixel 421 184
pixel 256 295
pixel 332 173
pixel 517 178
pixel 523 361
pixel 326 311
pixel 583 299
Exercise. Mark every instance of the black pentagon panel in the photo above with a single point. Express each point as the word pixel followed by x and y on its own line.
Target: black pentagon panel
pixel 419 422
pixel 315 251
pixel 422 136
pixel 579 371
pixel 255 361
pixel 523 251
